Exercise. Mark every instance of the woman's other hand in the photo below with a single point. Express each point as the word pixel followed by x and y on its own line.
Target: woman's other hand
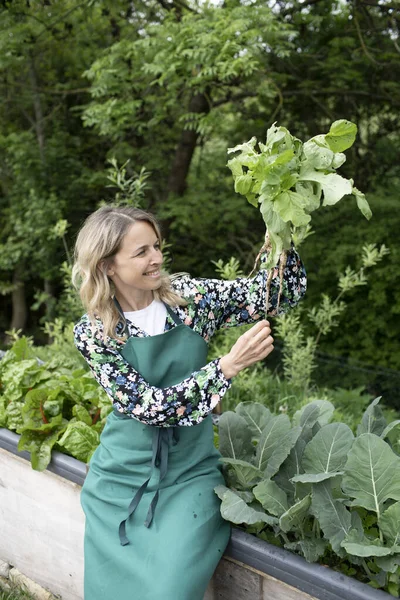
pixel 252 346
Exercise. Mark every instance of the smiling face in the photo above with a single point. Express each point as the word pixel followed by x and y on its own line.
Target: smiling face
pixel 136 268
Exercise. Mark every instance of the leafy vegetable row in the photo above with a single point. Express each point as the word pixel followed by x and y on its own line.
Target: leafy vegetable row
pixel 56 403
pixel 314 487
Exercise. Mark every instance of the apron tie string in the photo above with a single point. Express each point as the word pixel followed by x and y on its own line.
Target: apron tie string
pixel 162 439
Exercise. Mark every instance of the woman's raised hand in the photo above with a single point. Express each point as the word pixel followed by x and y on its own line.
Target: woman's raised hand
pixel 252 346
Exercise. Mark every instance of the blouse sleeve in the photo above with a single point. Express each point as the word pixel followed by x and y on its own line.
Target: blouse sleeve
pixel 183 404
pixel 229 303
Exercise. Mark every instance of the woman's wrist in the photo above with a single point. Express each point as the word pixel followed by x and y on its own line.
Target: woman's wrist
pixel 227 367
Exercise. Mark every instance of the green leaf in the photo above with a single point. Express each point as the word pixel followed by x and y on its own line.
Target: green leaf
pixel 369 472
pixel 315 477
pixel 247 475
pixel 334 186
pixel 362 203
pixel 341 136
pixel 320 411
pixel 290 207
pixel 243 184
pixel 270 216
pixel 14 415
pixel 326 410
pixel 311 549
pixel 270 439
pixel 52 407
pixel 33 415
pixel 389 428
pixel 235 510
pixel 291 467
pixel 388 563
pixel 332 515
pixel 307 416
pixel 275 135
pixel 82 414
pixel 39 445
pixel 311 191
pixel 282 451
pixel 295 516
pixel 326 453
pixel 246 496
pixel 316 156
pixel 272 498
pixel 256 416
pixel 389 524
pixel 18 377
pixel 80 440
pixel 235 166
pixel 252 199
pixel 338 159
pixel 373 420
pixel 358 544
pixel 235 437
pixel 3 412
pixel 248 148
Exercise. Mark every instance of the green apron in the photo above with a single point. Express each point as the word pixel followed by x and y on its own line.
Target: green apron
pixel 153 525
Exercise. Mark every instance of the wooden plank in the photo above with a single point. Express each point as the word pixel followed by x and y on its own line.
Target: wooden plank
pixel 273 588
pixel 41 526
pixel 232 580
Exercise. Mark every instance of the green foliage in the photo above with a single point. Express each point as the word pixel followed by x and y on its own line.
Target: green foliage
pixel 298 354
pixel 14 593
pixel 366 342
pixel 229 270
pixel 315 487
pixel 136 83
pixel 130 190
pixel 52 403
pixel 290 179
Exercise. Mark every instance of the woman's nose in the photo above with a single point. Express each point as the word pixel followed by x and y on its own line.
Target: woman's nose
pixel 156 257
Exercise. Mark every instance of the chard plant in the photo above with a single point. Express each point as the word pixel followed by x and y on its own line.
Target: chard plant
pixel 315 488
pixel 288 180
pixel 55 403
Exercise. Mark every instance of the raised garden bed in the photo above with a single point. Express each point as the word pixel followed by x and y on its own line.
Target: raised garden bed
pixel 41 533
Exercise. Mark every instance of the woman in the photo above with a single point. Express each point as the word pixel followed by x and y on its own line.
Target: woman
pixel 153 525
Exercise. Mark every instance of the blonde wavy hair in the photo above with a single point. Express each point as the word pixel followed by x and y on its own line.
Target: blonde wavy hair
pixel 97 243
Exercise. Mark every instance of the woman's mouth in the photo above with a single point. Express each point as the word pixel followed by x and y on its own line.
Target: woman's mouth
pixel 154 274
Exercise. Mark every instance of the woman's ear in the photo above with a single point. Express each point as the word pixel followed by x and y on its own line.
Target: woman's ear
pixel 105 268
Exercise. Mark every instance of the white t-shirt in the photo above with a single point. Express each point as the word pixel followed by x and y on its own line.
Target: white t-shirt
pixel 150 319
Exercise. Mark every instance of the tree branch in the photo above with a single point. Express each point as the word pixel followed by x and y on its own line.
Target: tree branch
pixel 45 90
pixel 360 37
pixel 328 92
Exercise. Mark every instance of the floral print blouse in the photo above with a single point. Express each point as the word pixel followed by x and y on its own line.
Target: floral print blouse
pixel 212 304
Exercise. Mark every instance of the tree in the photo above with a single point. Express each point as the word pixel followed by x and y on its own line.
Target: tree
pixel 48 166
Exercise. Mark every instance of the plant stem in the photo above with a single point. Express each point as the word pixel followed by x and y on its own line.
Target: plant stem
pixel 66 250
pixel 368 572
pixel 96 416
pixel 42 413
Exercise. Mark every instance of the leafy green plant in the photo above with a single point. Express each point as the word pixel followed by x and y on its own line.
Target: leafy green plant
pixel 315 488
pixel 130 190
pixel 289 179
pixel 289 393
pixel 299 351
pixel 52 403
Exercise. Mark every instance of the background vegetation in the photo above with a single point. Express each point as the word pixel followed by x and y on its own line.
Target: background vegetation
pixel 169 86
